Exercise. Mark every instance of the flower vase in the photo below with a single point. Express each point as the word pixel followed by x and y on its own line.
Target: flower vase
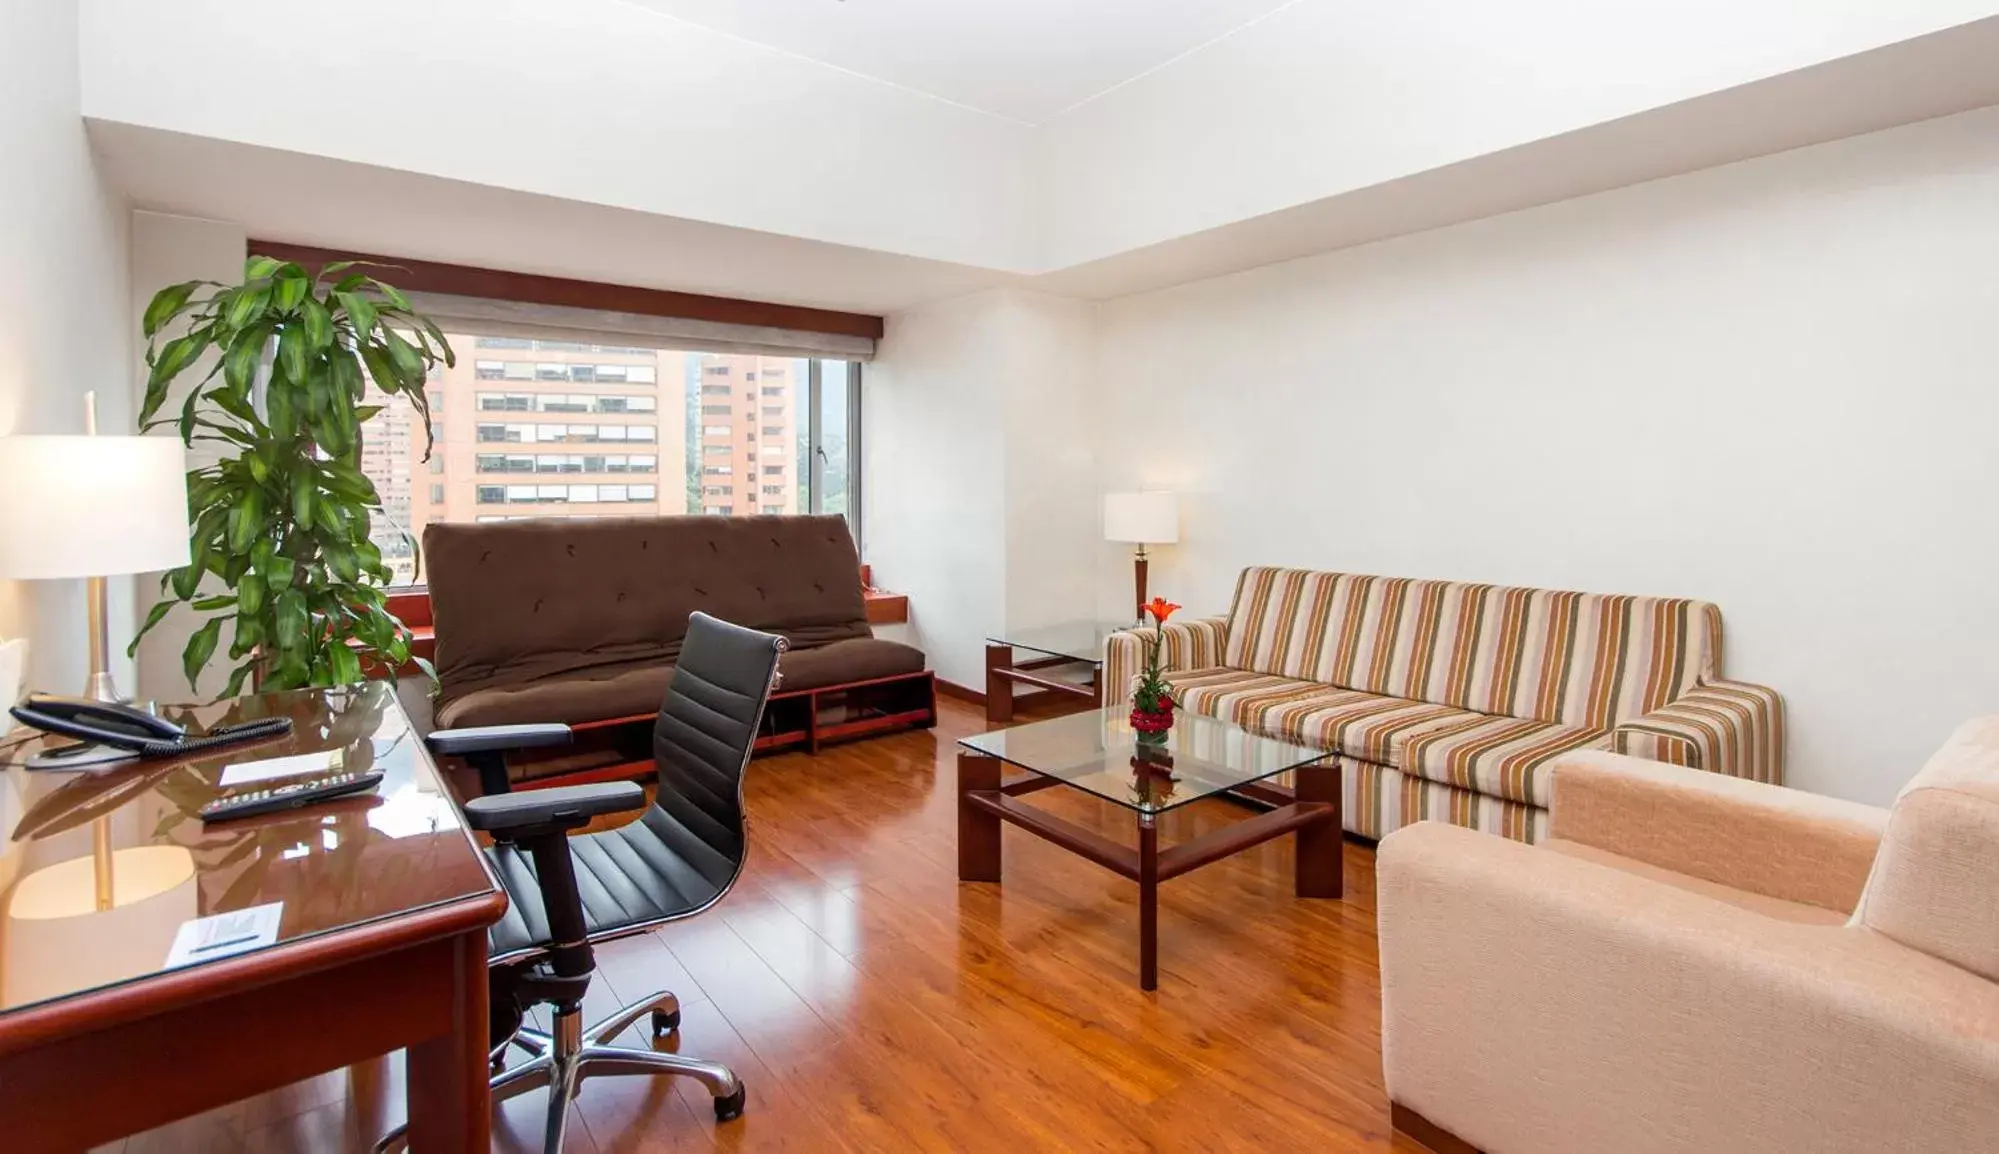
pixel 1149 727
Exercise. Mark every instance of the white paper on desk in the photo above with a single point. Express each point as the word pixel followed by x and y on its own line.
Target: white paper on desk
pixel 246 772
pixel 220 935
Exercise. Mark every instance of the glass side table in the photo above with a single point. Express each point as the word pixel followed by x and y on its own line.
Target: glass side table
pixel 1065 660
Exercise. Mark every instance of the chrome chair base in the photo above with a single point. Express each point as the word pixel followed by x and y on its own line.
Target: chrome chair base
pixel 563 1059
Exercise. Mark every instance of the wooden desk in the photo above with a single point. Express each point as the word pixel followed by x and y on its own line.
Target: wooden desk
pixel 381 946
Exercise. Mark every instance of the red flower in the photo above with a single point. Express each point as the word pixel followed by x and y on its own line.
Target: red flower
pixel 1160 608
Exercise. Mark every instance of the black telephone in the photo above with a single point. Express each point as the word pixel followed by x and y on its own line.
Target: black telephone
pixel 123 728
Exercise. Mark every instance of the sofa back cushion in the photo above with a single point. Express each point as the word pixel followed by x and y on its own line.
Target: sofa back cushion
pixel 1587 659
pixel 517 601
pixel 1935 885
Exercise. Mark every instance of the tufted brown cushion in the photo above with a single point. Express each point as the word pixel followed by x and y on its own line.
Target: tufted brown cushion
pixel 580 620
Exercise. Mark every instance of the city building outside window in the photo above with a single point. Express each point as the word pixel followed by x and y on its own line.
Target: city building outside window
pixel 674 407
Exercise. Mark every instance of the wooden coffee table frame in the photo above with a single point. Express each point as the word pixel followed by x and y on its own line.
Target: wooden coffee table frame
pixel 987 797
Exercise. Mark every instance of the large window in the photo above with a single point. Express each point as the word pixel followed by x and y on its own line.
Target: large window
pixel 561 428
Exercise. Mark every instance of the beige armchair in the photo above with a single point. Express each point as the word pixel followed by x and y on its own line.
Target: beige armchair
pixel 1701 963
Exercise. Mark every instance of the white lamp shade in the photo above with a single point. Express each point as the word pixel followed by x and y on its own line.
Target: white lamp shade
pixel 91 506
pixel 1148 518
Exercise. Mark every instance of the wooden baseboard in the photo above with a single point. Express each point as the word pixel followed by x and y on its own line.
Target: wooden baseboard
pixel 961 692
pixel 1413 1125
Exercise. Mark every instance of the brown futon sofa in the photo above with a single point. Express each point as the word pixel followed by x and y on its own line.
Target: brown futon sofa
pixel 580 620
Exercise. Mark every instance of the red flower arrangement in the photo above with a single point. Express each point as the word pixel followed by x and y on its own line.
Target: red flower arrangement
pixel 1152 701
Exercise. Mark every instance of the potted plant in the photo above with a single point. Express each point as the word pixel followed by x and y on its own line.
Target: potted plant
pixel 283 519
pixel 1152 701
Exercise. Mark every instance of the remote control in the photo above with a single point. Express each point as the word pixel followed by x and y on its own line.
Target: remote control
pixel 250 803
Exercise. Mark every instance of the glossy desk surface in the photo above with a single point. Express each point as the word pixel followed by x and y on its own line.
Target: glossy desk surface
pixel 372 870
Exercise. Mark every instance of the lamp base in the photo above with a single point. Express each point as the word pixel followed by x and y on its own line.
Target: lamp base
pixel 99 687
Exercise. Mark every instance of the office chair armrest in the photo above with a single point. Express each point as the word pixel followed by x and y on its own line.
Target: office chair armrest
pixel 513 816
pixel 488 738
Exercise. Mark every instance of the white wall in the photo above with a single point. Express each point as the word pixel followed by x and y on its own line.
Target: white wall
pixel 62 296
pixel 1771 385
pixel 979 472
pixel 1327 96
pixel 593 100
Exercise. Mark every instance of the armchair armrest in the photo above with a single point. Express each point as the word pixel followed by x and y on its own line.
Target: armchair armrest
pixel 1197 643
pixel 1728 727
pixel 494 738
pixel 1765 839
pixel 510 816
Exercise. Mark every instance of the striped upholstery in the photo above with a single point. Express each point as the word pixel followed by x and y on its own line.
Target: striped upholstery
pixel 1731 724
pixel 1192 644
pixel 1585 659
pixel 1503 757
pixel 1450 700
pixel 1381 800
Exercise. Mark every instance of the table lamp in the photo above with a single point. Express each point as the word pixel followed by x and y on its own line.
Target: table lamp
pixel 92 507
pixel 1148 518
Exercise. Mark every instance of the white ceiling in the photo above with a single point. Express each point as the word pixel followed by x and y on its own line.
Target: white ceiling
pixel 1026 60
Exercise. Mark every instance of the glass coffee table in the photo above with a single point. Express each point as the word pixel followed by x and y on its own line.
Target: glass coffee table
pixel 1067 660
pixel 1096 752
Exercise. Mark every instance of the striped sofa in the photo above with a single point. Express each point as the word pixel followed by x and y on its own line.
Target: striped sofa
pixel 1448 700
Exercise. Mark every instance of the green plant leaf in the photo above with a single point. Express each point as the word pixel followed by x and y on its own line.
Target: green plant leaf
pixel 239 364
pixel 247 303
pixel 347 374
pixel 303 493
pixel 236 679
pixel 360 310
pixel 153 617
pixel 246 521
pixel 259 267
pixel 318 324
pixel 186 579
pixel 166 304
pixel 281 572
pixel 348 481
pixel 290 288
pixel 335 268
pixel 176 355
pixel 381 369
pixel 290 617
pixel 211 604
pixel 279 406
pixel 402 354
pixel 200 648
pixel 250 592
pixel 292 352
pixel 346 667
pixel 391 294
pixel 342 561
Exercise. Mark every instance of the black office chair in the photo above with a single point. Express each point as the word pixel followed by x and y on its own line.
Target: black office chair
pixel 676 860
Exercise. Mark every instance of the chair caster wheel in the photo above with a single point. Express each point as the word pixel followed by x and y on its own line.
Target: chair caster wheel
pixel 731 1108
pixel 666 1022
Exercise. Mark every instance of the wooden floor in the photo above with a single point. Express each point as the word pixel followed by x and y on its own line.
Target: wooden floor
pixel 872 1003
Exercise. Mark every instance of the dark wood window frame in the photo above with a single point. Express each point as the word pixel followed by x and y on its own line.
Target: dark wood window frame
pixel 531 288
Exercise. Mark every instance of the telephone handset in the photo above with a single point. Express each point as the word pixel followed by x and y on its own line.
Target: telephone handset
pixel 133 732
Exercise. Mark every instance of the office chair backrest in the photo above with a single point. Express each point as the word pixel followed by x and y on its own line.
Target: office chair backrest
pixel 706 731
